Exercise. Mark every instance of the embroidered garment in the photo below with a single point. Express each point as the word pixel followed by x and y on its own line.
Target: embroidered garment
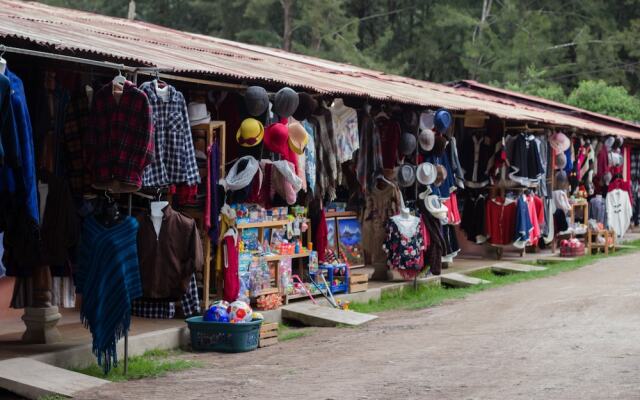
pixel 369 155
pixel 619 211
pixel 526 167
pixel 500 221
pixel 108 277
pixel 345 126
pixel 404 245
pixel 476 152
pixel 175 157
pixel 523 224
pixel 310 157
pixel 120 143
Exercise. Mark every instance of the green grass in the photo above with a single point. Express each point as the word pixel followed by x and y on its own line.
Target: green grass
pixel 153 363
pixel 286 332
pixel 429 295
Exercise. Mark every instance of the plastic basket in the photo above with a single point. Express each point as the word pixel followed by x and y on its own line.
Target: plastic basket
pixel 223 336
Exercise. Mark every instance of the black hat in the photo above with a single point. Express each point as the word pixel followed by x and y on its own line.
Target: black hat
pixel 306 105
pixel 256 100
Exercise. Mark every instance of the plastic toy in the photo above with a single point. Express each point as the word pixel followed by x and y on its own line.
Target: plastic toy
pixel 239 311
pixel 217 312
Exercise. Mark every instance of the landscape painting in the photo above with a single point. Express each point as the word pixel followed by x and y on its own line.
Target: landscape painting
pixel 350 241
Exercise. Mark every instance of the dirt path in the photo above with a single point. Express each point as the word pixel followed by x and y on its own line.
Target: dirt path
pixel 572 336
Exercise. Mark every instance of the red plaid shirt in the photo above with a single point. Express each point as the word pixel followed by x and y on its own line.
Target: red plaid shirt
pixel 121 141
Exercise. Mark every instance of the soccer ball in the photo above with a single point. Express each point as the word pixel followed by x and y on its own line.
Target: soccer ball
pixel 239 311
pixel 217 312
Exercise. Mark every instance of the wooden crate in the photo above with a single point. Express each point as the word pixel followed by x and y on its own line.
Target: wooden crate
pixel 268 334
pixel 358 283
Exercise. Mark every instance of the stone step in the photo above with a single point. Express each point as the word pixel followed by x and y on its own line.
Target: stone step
pixel 512 268
pixel 455 279
pixel 34 379
pixel 315 315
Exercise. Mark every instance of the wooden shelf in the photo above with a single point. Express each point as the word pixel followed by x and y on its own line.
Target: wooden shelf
pixel 264 224
pixel 332 214
pixel 278 257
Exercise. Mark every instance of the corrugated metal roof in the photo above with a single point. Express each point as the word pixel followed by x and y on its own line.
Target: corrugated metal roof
pixel 139 43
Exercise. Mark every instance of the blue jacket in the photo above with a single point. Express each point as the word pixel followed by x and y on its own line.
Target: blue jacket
pixel 9 146
pixel 523 220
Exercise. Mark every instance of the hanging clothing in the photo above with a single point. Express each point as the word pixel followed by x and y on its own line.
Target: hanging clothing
pixel 175 157
pixel 524 226
pixel 321 235
pixel 444 190
pixel 3 270
pixel 598 209
pixel 310 157
pixel 190 303
pixel 473 220
pixel 389 131
pixel 526 167
pixel 476 151
pixel 619 211
pixel 561 200
pixel 370 162
pixel 231 284
pixel 168 259
pixel 622 185
pixel 451 243
pixel 327 147
pixel 543 150
pixel 456 167
pixel 535 232
pixel 380 206
pixel 120 143
pixel 9 144
pixel 404 245
pixel 345 127
pixel 108 277
pixel 500 221
pixel 453 213
pixel 437 246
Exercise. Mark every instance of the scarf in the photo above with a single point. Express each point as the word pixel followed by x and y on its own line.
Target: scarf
pixel 239 180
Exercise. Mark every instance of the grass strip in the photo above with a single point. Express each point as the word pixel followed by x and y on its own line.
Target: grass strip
pixel 286 332
pixel 432 294
pixel 152 364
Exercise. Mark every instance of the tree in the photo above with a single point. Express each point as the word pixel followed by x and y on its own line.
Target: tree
pixel 599 97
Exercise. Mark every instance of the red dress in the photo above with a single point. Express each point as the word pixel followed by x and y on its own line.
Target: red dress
pixel 231 287
pixel 500 221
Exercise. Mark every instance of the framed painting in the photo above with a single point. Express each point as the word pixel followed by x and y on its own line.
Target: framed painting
pixel 349 235
pixel 332 240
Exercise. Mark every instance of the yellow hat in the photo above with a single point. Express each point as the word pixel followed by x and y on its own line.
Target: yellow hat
pixel 250 133
pixel 298 137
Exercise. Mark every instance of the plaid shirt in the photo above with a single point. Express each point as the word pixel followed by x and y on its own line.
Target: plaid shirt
pixel 121 137
pixel 167 309
pixel 175 155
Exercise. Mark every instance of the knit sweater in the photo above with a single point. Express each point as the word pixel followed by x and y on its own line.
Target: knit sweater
pixel 109 279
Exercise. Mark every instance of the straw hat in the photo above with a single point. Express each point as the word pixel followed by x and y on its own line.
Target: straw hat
pixel 435 207
pixel 298 137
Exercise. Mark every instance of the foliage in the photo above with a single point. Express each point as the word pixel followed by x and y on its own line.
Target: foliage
pixel 286 332
pixel 151 364
pixel 429 295
pixel 611 100
pixel 544 47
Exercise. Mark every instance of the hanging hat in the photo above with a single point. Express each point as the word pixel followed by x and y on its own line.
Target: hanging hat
pixel 442 120
pixel 306 105
pixel 407 144
pixel 410 118
pixel 285 102
pixel 426 173
pixel 618 142
pixel 474 119
pixel 440 142
pixel 609 142
pixel 559 142
pixel 561 160
pixel 406 175
pixel 426 120
pixel 426 138
pixel 250 133
pixel 606 178
pixel 441 175
pixel 276 137
pixel 198 113
pixel 615 159
pixel 435 207
pixel 298 137
pixel 256 100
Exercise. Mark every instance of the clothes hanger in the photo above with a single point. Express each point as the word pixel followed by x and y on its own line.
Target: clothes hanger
pixel 119 79
pixel 160 84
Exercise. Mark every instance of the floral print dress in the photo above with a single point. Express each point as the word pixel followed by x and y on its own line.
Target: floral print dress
pixel 404 245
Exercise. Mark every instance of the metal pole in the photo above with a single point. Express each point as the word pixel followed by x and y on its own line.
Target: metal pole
pixel 126 335
pixel 61 57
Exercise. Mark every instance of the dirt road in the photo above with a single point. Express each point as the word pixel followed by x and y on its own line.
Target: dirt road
pixel 572 336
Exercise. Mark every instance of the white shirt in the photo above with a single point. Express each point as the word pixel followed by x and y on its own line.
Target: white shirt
pixel 619 211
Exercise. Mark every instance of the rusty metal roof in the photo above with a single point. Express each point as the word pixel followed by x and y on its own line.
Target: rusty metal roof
pixel 139 43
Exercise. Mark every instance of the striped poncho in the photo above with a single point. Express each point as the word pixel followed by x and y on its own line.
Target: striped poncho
pixel 108 277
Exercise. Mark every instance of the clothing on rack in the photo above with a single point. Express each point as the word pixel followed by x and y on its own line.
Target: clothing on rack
pixel 327 149
pixel 526 167
pixel 451 243
pixel 447 186
pixel 310 157
pixel 345 127
pixel 170 257
pixel 456 167
pixel 120 144
pixel 370 162
pixel 598 209
pixel 231 284
pixel 108 278
pixel 9 144
pixel 473 219
pixel 619 211
pixel 523 224
pixel 175 158
pixel 453 213
pixel 437 246
pixel 476 151
pixel 404 245
pixel 500 220
pixel 389 131
pixel 167 309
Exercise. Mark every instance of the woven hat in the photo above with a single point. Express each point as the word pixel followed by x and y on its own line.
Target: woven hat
pixel 474 119
pixel 250 133
pixel 427 139
pixel 439 145
pixel 407 144
pixel 276 137
pixel 441 175
pixel 561 160
pixel 256 100
pixel 442 120
pixel 435 207
pixel 306 105
pixel 298 137
pixel 426 120
pixel 559 142
pixel 285 102
pixel 198 113
pixel 406 175
pixel 426 173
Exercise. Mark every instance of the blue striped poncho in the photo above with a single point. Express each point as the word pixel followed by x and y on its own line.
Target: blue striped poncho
pixel 108 277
